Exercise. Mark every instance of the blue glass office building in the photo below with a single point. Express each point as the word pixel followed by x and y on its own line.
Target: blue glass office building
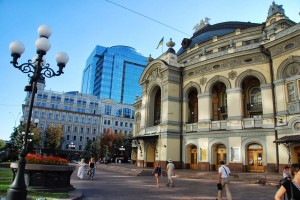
pixel 113 73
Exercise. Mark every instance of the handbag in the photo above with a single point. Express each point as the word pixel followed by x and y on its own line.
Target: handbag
pixel 219 186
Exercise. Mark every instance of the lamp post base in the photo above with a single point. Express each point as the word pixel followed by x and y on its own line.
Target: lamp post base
pixel 17 194
pixel 18 189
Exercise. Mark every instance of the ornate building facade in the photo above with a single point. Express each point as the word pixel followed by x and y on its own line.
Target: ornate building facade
pixel 230 93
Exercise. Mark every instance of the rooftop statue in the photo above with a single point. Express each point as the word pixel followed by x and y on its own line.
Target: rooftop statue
pixel 274 9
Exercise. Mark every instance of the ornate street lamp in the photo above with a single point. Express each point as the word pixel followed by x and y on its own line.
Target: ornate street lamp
pixel 36 69
pixel 72 145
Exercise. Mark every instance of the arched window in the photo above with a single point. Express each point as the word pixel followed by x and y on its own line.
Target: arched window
pixel 157 107
pixel 193 107
pixel 255 95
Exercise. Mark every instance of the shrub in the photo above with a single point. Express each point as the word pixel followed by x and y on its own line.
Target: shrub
pixel 45 160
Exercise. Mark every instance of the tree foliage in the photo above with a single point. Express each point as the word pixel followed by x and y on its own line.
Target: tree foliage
pixel 111 142
pixel 106 144
pixel 2 144
pixel 92 149
pixel 15 146
pixel 53 137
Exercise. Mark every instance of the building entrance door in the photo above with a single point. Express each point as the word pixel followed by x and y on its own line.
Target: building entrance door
pixel 194 162
pixel 221 155
pixel 255 158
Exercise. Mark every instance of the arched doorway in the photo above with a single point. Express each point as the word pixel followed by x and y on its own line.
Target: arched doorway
pixel 150 156
pixel 220 155
pixel 255 158
pixel 191 153
pixel 296 155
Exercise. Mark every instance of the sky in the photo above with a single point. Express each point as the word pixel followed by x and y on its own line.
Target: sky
pixel 78 26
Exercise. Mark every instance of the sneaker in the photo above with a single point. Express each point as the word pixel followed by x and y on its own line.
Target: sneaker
pixel 173 185
pixel 168 185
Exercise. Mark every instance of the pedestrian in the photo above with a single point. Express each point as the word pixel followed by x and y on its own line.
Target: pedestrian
pixel 81 169
pixel 291 187
pixel 286 173
pixel 224 180
pixel 92 167
pixel 170 172
pixel 157 172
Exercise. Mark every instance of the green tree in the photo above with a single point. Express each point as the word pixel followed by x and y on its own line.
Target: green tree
pixel 53 137
pixel 2 144
pixel 106 144
pixel 16 144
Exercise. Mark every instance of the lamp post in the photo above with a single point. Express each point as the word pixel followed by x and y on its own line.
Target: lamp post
pixel 72 145
pixel 36 69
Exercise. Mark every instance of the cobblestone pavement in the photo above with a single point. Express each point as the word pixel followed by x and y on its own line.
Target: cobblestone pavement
pixel 128 182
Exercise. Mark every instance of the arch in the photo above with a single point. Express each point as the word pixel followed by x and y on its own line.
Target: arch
pixel 215 79
pixel 211 145
pixel 249 72
pixel 150 155
pixel 191 156
pixel 249 141
pixel 285 63
pixel 151 103
pixel 137 117
pixel 292 122
pixel 190 86
pixel 151 66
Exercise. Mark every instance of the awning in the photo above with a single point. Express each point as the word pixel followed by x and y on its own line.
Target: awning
pixel 146 136
pixel 288 139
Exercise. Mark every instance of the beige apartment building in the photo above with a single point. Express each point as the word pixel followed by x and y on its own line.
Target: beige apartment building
pixel 230 93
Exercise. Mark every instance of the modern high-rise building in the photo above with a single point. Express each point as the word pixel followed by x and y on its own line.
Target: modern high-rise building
pixel 113 73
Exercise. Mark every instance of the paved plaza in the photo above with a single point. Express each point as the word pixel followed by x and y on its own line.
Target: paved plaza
pixel 117 182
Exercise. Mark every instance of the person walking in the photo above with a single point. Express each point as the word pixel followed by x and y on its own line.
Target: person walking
pixel 157 172
pixel 224 180
pixel 81 169
pixel 286 173
pixel 92 167
pixel 290 187
pixel 170 172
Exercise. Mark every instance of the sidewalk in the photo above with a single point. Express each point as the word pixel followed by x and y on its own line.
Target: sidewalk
pixel 267 178
pixel 132 170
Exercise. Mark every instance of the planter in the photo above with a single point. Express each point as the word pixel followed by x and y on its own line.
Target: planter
pixel 46 177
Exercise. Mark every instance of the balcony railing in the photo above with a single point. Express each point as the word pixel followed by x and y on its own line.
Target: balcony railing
pixel 254 107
